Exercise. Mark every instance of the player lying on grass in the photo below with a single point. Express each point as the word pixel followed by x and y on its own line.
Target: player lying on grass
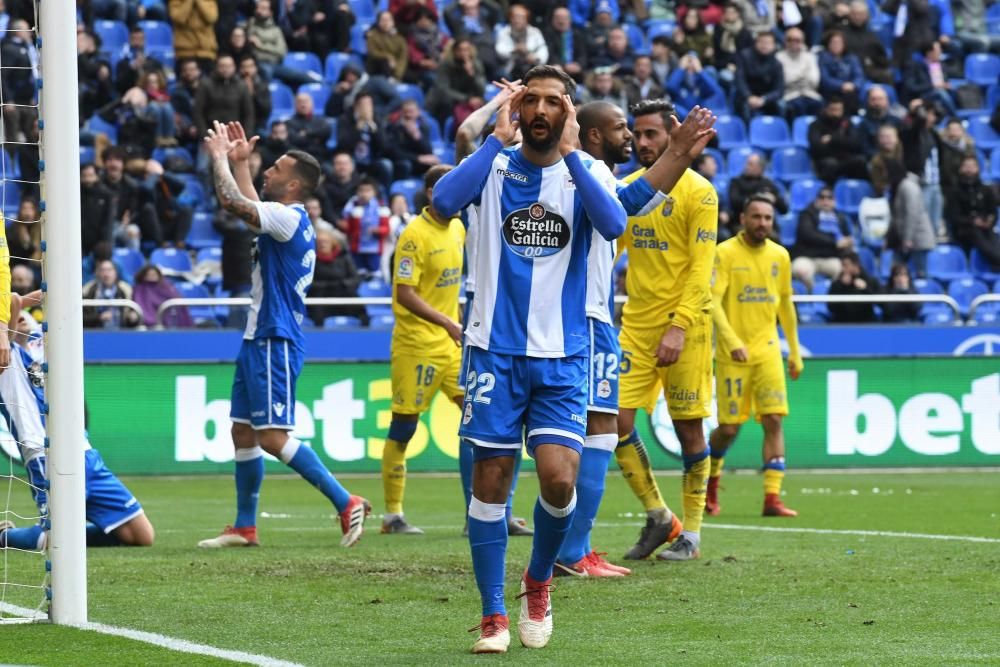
pixel 114 516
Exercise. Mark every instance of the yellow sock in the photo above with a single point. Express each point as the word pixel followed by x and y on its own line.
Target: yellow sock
pixel 394 475
pixel 772 481
pixel 693 494
pixel 717 464
pixel 634 462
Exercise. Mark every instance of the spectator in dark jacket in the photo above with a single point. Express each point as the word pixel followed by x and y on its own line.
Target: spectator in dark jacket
pixel 189 78
pixel 259 92
pixel 567 44
pixel 760 79
pixel 94 74
pixel 107 285
pixel 173 216
pixel 616 52
pixel 840 72
pixel 274 145
pixel 406 12
pixel 919 27
pixel 134 62
pixel 338 187
pixel 822 236
pixel 642 85
pixel 876 113
pixel 900 282
pixel 750 182
pixel 835 145
pixel 20 60
pixel 223 97
pixel 237 243
pixel 335 276
pixel 237 44
pixel 134 215
pixel 96 210
pixel 460 83
pixel 866 45
pixel 728 40
pixel 922 157
pixel 971 213
pixel 475 20
pixel 410 143
pixel 853 281
pixel 425 44
pixel 307 131
pixel 361 135
pixel 926 79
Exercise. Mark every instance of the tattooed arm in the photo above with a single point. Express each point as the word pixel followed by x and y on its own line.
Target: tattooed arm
pixel 226 189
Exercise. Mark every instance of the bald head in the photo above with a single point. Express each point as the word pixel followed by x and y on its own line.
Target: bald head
pixel 604 132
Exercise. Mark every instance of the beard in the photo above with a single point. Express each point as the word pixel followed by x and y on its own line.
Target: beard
pixel 547 143
pixel 618 154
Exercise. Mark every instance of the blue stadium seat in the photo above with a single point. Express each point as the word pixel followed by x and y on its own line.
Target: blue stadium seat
pixel 799 287
pixel 449 129
pixel 769 132
pixel 194 195
pixel 359 43
pixel 720 158
pixel 800 131
pixel 282 99
pixel 331 143
pixel 965 290
pixel 994 171
pixel 885 262
pixel 821 285
pixel 737 158
pixel 848 193
pixel 374 287
pixel 159 35
pixel 87 154
pixel 791 164
pixel 987 313
pixel 721 184
pixel 982 69
pixel 803 193
pixel 202 234
pixel 363 10
pixel 407 187
pixel 986 137
pixel 927 286
pixel 335 62
pixel 114 37
pixel 176 153
pixel 636 38
pixel 947 263
pixel 491 91
pixel 432 126
pixel 129 260
pixel 381 320
pixel 935 312
pixel 410 91
pixel 657 27
pixel 303 61
pixel 788 227
pixel 319 92
pixel 209 254
pixel 981 268
pixel 993 93
pixel 171 259
pixel 867 259
pixel 98 125
pixel 732 132
pixel 445 152
pixel 200 314
pixel 341 322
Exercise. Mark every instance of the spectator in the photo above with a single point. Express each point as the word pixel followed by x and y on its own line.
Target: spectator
pixel 602 86
pixel 972 213
pixel 476 21
pixel 274 145
pixel 425 44
pixel 96 210
pixel 387 50
pixel 567 45
pixel 194 30
pixel 94 75
pixel 136 122
pixel 853 281
pixel 690 85
pixel 410 142
pixel 107 285
pixel 691 37
pixel 954 144
pixel 400 217
pixel 260 94
pixel 911 233
pixel 306 131
pixel 315 211
pixel 889 149
pixel 367 224
pixel 134 215
pixel 758 16
pixel 222 97
pixel 918 27
pixel 520 46
pixel 840 72
pixel 900 283
pixel 293 17
pixel 865 44
pixel 22 280
pixel 133 63
pixel 642 85
pixel 335 276
pixel 728 40
pixel 28 158
pixel 189 78
pixel 706 165
pixel 158 107
pixel 266 37
pixel 237 244
pixel 663 58
pixel 760 81
pixel 20 62
pixel 339 187
pixel 329 27
pixel 360 134
pixel 25 243
pixel 407 12
pixel 616 53
pixel 835 145
pixel 926 79
pixel 922 156
pixel 237 44
pixel 753 181
pixel 970 21
pixel 152 290
pixel 875 115
pixel 173 217
pixel 460 83
pixel 823 234
pixel 800 70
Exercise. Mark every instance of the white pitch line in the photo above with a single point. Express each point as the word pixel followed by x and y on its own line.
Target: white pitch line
pixel 863 533
pixel 172 643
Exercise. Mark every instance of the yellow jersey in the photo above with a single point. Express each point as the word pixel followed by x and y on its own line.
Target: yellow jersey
pixel 5 273
pixel 752 288
pixel 670 254
pixel 428 257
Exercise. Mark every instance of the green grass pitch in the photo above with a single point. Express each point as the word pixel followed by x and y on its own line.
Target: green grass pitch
pixel 754 597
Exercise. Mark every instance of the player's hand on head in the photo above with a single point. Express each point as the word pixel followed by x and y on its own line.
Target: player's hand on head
pixel 570 139
pixel 506 127
pixel 671 346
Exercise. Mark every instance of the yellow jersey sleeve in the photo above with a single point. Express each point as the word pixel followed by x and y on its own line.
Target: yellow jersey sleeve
pixel 728 340
pixel 786 310
pixel 408 266
pixel 700 209
pixel 4 274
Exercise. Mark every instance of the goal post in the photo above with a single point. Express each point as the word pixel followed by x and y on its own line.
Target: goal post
pixel 60 176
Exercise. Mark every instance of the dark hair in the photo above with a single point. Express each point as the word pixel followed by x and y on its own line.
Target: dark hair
pixel 368 180
pixel 247 56
pixel 307 169
pixel 763 197
pixel 852 256
pixel 648 107
pixel 834 98
pixel 550 72
pixel 897 268
pixel 114 153
pixel 434 175
pixel 702 159
pixel 144 270
pixel 830 35
pixel 662 40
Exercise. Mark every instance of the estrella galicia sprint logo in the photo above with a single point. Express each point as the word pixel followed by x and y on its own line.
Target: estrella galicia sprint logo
pixel 535 231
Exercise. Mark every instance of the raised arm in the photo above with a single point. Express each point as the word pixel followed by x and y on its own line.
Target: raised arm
pixel 239 157
pixel 475 123
pixel 218 145
pixel 687 141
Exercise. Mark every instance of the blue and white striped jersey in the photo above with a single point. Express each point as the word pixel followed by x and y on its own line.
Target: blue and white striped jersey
pixel 21 399
pixel 284 257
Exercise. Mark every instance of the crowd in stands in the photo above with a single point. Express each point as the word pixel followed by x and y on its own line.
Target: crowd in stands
pixel 876 129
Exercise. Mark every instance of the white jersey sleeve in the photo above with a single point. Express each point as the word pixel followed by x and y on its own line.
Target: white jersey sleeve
pixel 277 220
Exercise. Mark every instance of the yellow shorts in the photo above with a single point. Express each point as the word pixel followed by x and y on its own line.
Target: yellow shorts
pixel 742 388
pixel 417 377
pixel 687 384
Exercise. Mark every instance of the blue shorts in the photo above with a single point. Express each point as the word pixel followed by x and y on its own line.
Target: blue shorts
pixel 109 503
pixel 264 384
pixel 509 396
pixel 605 355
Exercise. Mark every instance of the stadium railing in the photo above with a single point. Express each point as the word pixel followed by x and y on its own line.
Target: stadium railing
pixel 121 303
pixel 982 300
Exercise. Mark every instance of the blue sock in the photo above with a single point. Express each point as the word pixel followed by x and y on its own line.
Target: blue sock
pixel 465 470
pixel 21 538
pixel 694 458
pixel 551 525
pixel 488 542
pixel 249 477
pixel 39 485
pixel 98 538
pixel 589 491
pixel 513 485
pixel 304 461
pixel 776 463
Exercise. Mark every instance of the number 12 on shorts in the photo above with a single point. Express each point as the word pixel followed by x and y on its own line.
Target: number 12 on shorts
pixel 605 366
pixel 478 387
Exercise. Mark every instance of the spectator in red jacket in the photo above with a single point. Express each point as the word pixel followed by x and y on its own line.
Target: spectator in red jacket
pixel 367 221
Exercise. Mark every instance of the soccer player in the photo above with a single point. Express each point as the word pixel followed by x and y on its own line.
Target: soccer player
pixel 271 357
pixel 604 134
pixel 526 367
pixel 666 337
pixel 426 339
pixel 753 288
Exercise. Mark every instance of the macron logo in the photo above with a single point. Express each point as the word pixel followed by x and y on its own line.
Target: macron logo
pixel 513 175
pixel 279 409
